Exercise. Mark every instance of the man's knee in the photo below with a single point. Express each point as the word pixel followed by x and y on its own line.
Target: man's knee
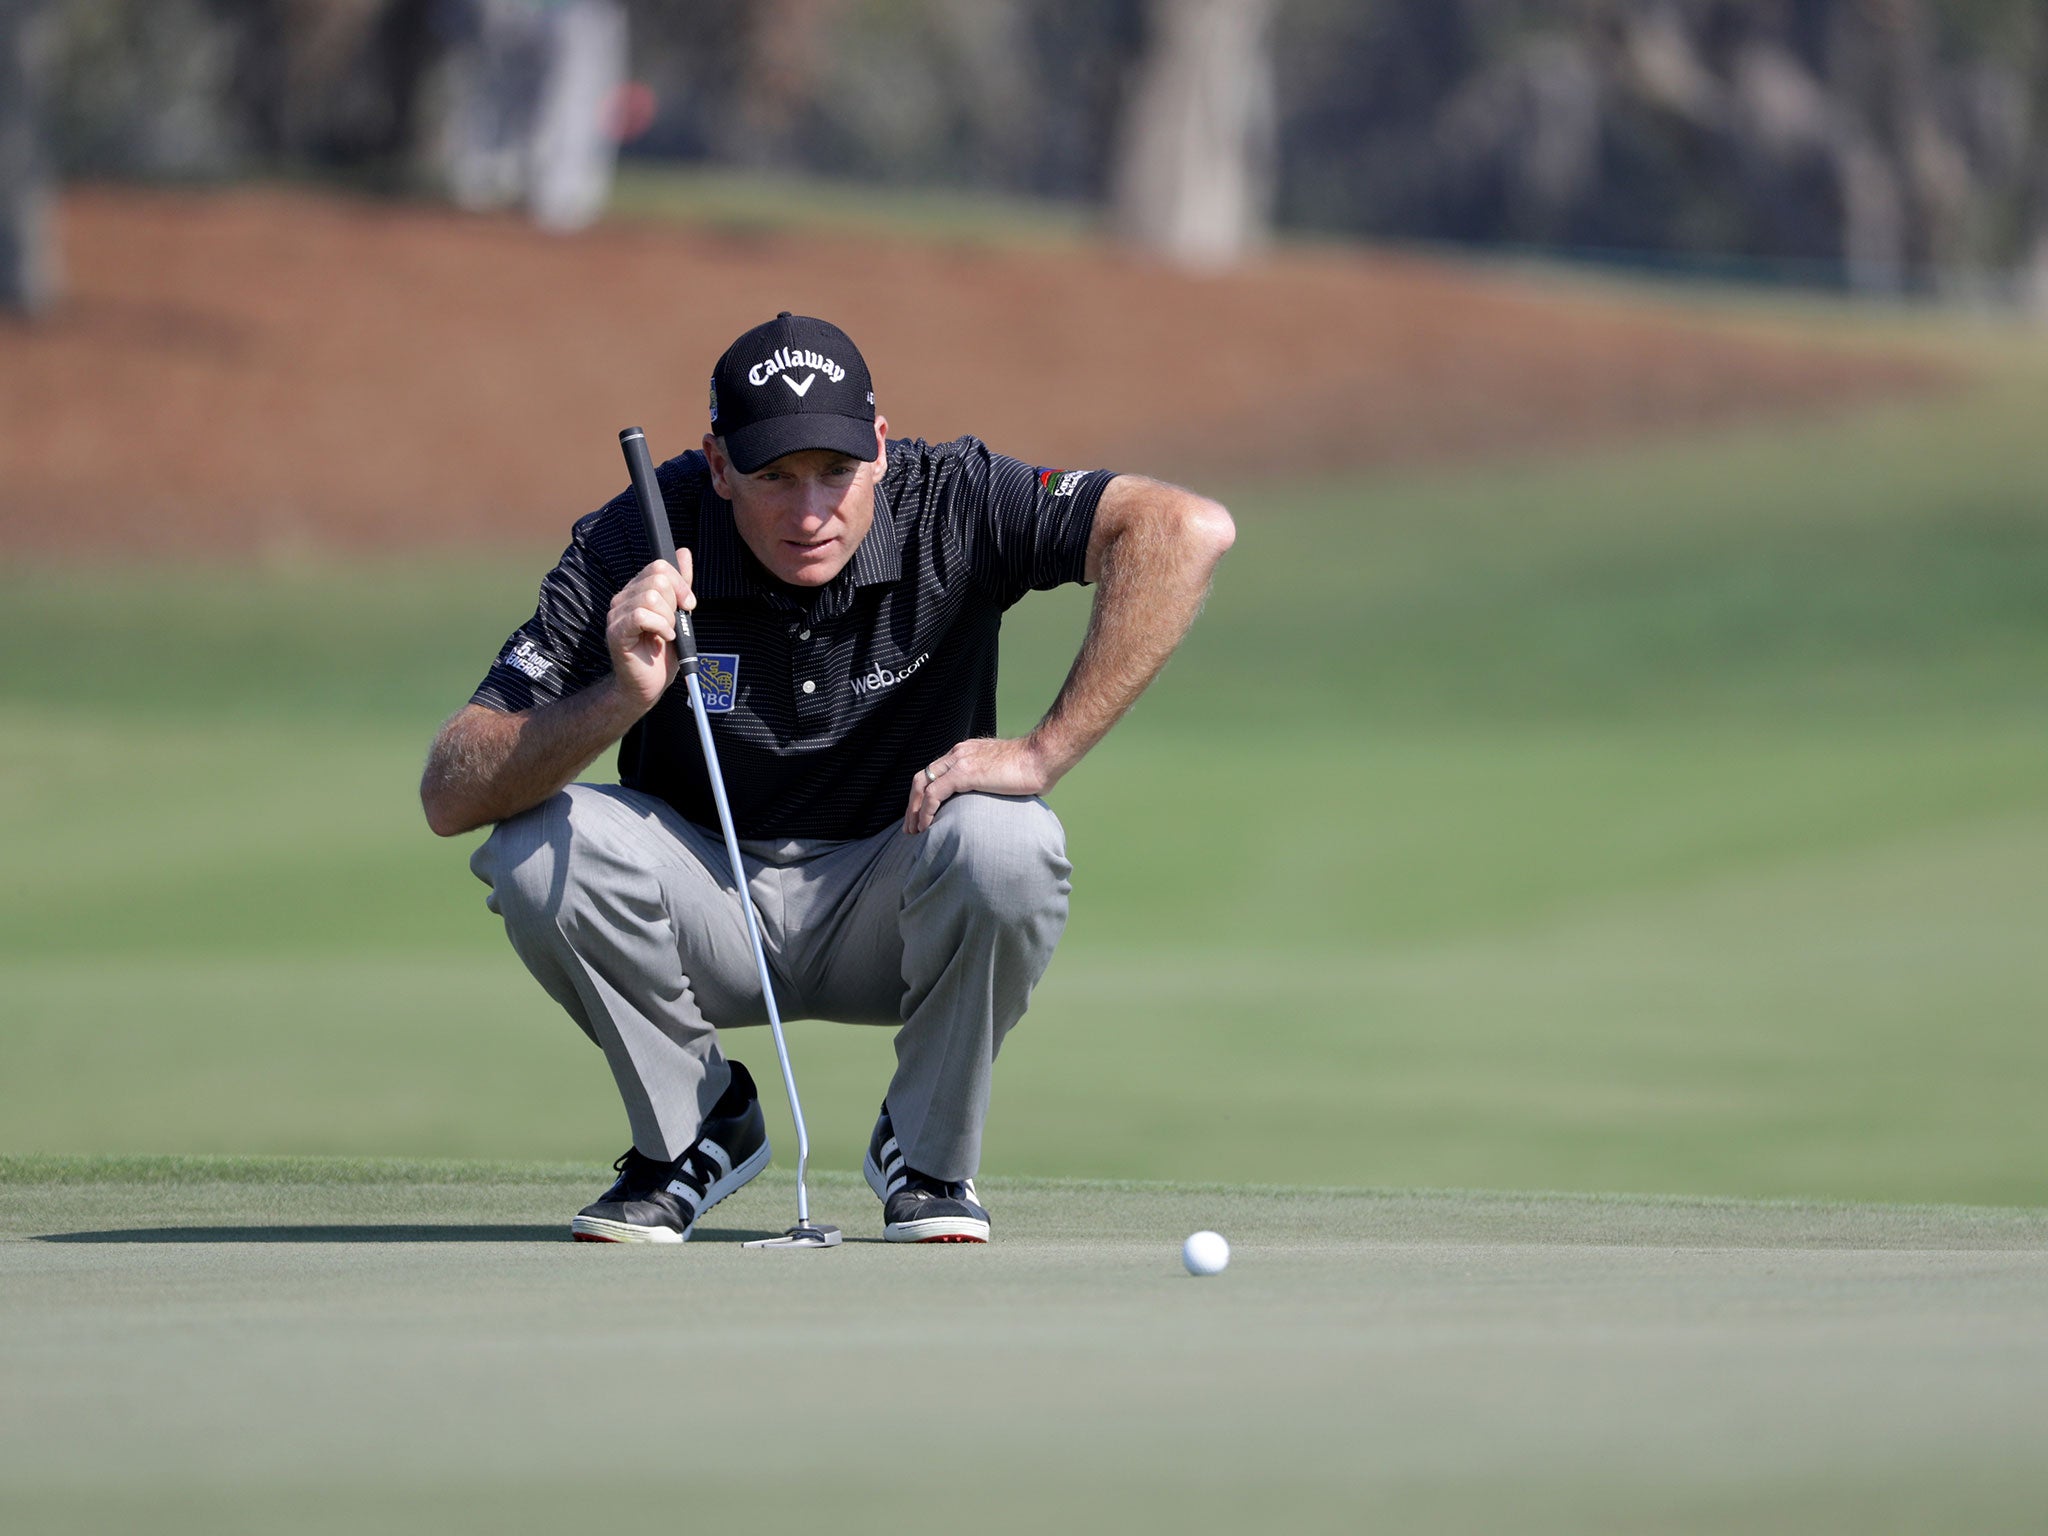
pixel 523 861
pixel 1006 855
pixel 535 861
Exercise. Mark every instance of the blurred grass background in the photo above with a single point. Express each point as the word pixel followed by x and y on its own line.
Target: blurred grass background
pixel 743 200
pixel 1672 818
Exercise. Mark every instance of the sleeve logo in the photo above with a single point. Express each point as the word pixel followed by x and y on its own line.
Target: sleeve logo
pixel 526 657
pixel 1060 482
pixel 718 677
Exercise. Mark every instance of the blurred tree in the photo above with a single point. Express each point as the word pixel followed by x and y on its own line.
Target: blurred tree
pixel 1879 143
pixel 1005 95
pixel 1885 144
pixel 1194 173
pixel 151 87
pixel 2029 112
pixel 28 238
pixel 779 48
pixel 358 84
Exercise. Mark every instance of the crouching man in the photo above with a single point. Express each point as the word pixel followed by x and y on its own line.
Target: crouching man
pixel 846 592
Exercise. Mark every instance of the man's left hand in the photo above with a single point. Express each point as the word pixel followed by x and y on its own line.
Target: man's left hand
pixel 1150 553
pixel 987 764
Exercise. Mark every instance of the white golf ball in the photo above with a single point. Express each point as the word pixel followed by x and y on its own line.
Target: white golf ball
pixel 1205 1253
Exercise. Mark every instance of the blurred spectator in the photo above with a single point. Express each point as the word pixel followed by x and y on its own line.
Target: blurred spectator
pixel 534 85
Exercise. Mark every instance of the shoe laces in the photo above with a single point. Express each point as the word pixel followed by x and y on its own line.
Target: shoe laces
pixel 929 1188
pixel 693 1168
pixel 645 1171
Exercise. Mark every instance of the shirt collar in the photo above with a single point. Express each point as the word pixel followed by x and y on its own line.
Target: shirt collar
pixel 880 556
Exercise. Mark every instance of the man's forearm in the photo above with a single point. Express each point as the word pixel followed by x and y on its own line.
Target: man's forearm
pixel 1153 579
pixel 485 766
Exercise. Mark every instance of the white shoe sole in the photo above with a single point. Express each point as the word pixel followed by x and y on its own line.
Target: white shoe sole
pixel 595 1229
pixel 935 1229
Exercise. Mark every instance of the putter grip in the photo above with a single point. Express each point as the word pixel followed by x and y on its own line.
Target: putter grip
pixel 654 518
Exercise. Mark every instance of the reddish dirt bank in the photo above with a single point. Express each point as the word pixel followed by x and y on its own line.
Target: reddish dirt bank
pixel 257 370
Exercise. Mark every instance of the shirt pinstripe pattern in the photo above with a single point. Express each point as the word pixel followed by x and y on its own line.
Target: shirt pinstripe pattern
pixel 899 649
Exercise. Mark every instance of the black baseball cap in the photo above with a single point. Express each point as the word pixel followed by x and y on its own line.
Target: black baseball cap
pixel 791 384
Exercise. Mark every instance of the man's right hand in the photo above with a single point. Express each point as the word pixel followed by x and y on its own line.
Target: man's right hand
pixel 486 765
pixel 640 630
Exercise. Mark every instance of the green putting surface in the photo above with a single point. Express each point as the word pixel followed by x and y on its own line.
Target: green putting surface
pixel 327 1345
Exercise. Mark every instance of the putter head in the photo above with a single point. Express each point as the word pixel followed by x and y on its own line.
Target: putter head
pixel 802 1235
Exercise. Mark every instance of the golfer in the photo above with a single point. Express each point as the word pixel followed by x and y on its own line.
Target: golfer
pixel 846 591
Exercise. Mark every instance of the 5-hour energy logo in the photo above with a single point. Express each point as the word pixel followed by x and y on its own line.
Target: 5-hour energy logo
pixel 718 676
pixel 526 657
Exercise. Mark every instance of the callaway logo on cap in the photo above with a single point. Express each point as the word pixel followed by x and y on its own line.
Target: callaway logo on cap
pixel 792 384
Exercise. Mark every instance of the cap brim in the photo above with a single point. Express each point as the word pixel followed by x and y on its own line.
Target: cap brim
pixel 754 447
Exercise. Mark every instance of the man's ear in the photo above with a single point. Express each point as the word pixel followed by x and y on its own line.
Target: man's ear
pixel 721 465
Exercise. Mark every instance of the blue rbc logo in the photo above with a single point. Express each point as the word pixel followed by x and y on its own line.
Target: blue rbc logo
pixel 719 677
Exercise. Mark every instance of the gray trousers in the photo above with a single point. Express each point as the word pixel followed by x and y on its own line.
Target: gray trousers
pixel 626 915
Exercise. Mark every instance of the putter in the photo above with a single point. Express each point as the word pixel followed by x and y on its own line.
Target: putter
pixel 654 512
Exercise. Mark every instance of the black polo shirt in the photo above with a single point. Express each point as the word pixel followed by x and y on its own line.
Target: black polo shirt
pixel 825 702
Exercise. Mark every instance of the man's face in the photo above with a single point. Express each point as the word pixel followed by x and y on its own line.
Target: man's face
pixel 804 514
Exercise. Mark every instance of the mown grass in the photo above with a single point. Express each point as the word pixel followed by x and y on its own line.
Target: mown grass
pixel 324 1345
pixel 1670 818
pixel 739 202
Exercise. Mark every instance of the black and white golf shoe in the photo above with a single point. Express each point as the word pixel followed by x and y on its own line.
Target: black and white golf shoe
pixel 660 1202
pixel 915 1207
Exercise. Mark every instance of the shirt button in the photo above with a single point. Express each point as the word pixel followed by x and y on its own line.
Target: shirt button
pixel 803 634
pixel 809 686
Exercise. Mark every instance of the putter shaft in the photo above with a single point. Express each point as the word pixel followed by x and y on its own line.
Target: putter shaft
pixel 739 879
pixel 654 517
